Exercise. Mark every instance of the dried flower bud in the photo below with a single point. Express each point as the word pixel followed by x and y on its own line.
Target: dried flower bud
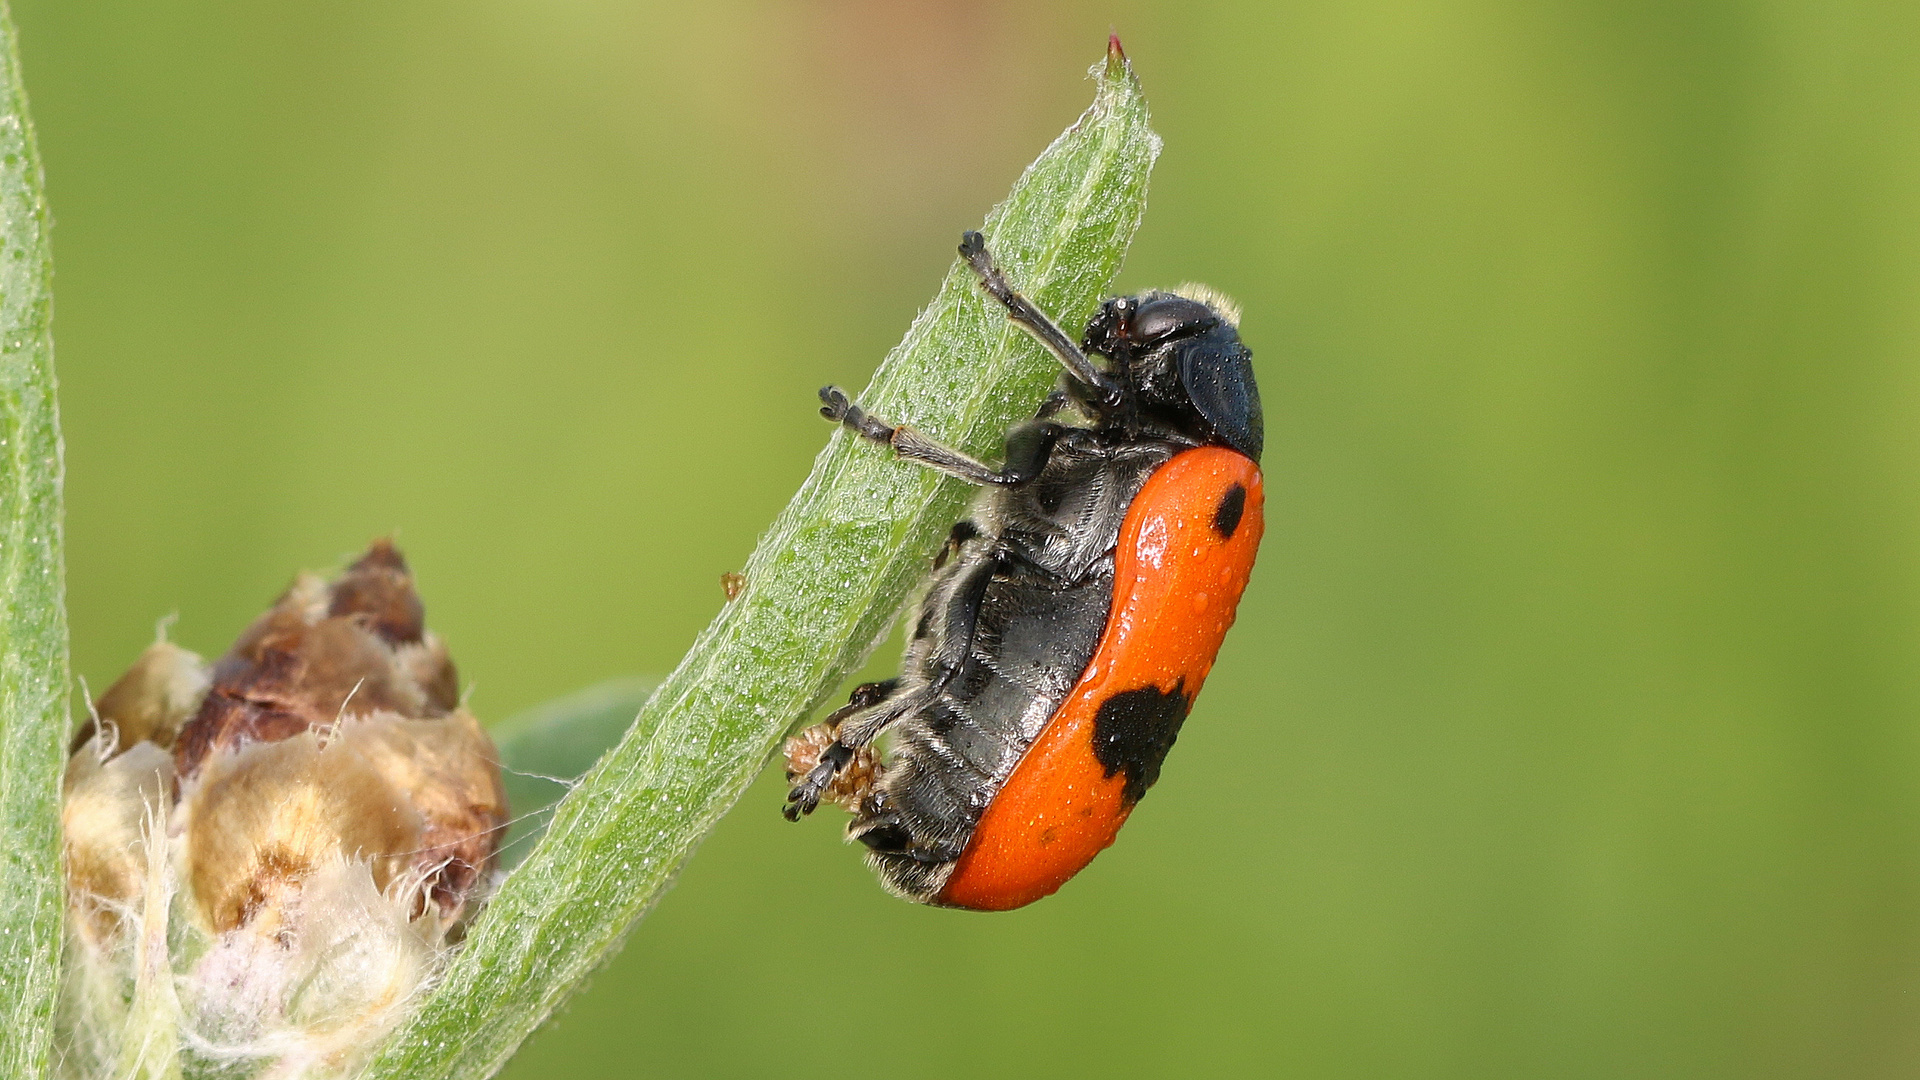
pixel 329 815
pixel 150 702
pixel 104 814
pixel 119 778
pixel 321 652
pixel 383 766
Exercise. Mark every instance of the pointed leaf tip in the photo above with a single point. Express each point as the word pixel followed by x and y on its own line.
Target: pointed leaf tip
pixel 1117 63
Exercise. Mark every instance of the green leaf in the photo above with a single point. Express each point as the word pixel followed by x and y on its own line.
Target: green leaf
pixel 821 590
pixel 33 622
pixel 545 749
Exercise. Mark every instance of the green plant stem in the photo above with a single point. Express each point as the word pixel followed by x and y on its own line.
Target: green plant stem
pixel 546 748
pixel 33 622
pixel 822 588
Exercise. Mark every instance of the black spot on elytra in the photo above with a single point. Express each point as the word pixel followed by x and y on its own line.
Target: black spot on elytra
pixel 1133 731
pixel 1226 516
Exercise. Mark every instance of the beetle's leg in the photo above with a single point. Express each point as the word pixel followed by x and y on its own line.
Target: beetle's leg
pixel 1055 403
pixel 835 756
pixel 836 406
pixel 973 248
pixel 906 442
pixel 1028 445
pixel 962 606
pixel 958 537
pixel 809 747
pixel 864 696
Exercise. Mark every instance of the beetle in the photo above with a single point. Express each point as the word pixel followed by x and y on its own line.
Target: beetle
pixel 1071 617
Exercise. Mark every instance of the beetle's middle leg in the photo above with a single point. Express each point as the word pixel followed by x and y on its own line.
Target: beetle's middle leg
pixel 1029 445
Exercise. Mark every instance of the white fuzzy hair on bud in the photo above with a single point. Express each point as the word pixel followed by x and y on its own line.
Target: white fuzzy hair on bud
pixel 268 860
pixel 308 992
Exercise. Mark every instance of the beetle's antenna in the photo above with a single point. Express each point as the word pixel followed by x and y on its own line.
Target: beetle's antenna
pixel 973 248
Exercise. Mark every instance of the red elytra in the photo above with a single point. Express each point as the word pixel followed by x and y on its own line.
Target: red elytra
pixel 1177 585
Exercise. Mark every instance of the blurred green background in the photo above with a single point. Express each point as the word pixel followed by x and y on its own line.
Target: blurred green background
pixel 1572 724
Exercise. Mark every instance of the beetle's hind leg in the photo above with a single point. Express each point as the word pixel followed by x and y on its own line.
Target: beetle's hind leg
pixel 819 763
pixel 859 723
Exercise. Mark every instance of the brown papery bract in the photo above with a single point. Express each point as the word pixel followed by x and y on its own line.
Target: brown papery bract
pixel 330 816
pixel 384 766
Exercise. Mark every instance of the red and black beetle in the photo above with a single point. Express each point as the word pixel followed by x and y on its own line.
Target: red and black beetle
pixel 1072 617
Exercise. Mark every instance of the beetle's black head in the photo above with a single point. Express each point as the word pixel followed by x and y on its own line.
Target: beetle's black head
pixel 1180 353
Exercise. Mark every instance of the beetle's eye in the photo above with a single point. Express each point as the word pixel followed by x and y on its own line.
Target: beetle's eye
pixel 1164 316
